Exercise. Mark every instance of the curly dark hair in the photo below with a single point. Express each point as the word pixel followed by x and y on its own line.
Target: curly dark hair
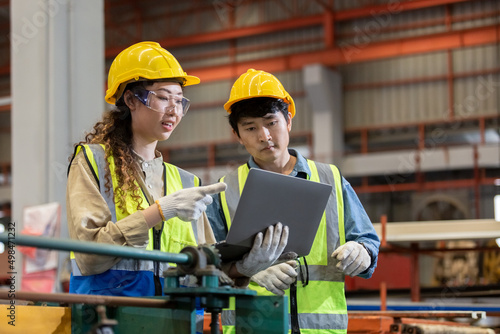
pixel 256 107
pixel 115 132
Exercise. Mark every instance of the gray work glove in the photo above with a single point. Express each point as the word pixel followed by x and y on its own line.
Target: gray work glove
pixel 353 258
pixel 265 250
pixel 277 278
pixel 188 204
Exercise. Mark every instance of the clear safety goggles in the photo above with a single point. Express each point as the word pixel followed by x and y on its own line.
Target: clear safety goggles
pixel 163 102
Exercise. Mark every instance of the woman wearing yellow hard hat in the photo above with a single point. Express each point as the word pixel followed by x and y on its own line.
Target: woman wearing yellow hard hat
pixel 119 189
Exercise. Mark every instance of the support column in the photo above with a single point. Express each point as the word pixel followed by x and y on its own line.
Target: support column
pixel 57 75
pixel 324 90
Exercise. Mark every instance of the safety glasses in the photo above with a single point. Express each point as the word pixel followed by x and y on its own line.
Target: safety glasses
pixel 163 102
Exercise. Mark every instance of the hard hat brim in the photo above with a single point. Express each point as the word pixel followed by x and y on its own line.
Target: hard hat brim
pixel 288 99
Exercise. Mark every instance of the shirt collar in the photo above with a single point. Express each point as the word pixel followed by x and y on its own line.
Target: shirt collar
pixel 157 161
pixel 300 169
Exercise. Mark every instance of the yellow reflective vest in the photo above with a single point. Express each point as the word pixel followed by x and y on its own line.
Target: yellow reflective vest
pixel 321 304
pixel 131 277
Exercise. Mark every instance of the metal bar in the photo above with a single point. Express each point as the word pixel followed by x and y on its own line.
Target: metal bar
pixel 477 182
pixel 391 7
pixel 421 137
pixel 423 314
pixel 448 18
pixel 426 79
pixel 415 273
pixel 415 124
pixel 436 230
pixel 415 321
pixel 482 129
pixel 450 85
pixel 364 141
pixel 95 248
pixel 329 29
pixel 383 296
pixel 395 83
pixel 433 251
pixel 383 224
pixel 429 185
pixel 70 298
pixel 435 328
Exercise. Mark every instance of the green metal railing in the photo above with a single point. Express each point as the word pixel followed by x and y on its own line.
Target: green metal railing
pixel 175 312
pixel 94 248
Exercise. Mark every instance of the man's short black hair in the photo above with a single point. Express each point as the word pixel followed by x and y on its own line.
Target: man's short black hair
pixel 256 107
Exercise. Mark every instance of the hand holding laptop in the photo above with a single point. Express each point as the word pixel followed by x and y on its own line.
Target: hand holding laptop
pixel 265 250
pixel 277 278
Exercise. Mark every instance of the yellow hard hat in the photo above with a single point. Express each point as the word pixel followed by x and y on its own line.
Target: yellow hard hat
pixel 256 83
pixel 143 61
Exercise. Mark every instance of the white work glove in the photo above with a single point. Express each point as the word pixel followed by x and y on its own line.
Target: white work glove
pixel 188 204
pixel 277 278
pixel 353 258
pixel 265 250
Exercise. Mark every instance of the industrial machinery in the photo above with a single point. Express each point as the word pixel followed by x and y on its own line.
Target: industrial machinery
pixel 173 313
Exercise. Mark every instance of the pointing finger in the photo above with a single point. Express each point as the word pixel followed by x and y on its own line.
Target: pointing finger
pixel 213 188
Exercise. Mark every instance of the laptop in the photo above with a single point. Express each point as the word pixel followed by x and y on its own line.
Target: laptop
pixel 268 198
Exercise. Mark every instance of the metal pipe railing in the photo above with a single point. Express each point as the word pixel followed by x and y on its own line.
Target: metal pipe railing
pixel 95 248
pixel 70 298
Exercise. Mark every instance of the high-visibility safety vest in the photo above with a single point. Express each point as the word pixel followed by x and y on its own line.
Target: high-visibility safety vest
pixel 131 277
pixel 321 304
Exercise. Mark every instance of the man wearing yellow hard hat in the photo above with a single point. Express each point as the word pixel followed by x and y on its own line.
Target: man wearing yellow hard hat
pixel 260 114
pixel 121 192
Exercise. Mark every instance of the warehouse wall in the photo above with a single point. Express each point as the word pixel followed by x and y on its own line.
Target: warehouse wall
pixel 390 93
pixel 56 94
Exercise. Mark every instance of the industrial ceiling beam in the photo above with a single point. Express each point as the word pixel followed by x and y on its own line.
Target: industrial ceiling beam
pixel 300 22
pixel 171 42
pixel 357 53
pixel 400 47
pixel 293 23
pixel 393 6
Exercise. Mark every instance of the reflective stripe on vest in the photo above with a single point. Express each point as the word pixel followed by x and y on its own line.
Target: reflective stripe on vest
pixel 176 233
pixel 316 312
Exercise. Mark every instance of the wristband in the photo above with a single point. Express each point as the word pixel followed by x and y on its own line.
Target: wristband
pixel 161 212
